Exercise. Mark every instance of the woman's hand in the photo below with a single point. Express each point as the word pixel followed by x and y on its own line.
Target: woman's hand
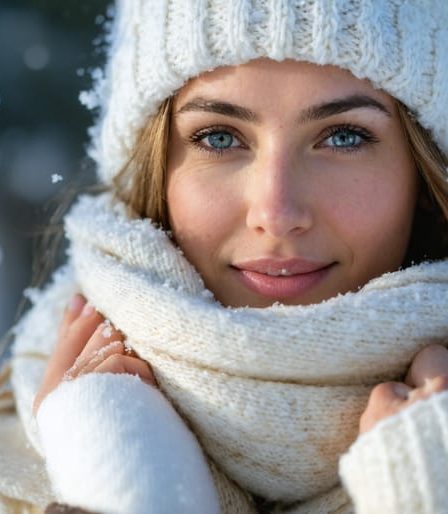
pixel 428 374
pixel 88 343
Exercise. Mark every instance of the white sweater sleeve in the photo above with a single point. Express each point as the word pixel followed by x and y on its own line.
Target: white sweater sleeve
pixel 115 445
pixel 401 465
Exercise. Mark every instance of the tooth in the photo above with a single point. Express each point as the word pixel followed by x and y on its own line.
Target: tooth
pixel 283 272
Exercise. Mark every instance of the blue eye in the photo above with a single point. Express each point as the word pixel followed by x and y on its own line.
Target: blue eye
pixel 219 140
pixel 345 139
pixel 216 141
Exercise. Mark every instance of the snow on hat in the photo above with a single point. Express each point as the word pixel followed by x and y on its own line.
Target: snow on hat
pixel 157 45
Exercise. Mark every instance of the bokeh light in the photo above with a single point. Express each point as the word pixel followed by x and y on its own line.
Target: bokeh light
pixel 48 52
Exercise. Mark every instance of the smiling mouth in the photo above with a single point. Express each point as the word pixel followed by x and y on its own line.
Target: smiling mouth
pixel 282 281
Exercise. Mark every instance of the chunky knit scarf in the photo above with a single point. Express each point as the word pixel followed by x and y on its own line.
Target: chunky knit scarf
pixel 274 395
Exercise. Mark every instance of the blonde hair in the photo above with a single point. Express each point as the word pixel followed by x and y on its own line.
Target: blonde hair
pixel 142 182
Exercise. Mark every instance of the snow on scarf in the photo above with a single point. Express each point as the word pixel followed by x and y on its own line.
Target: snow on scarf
pixel 274 395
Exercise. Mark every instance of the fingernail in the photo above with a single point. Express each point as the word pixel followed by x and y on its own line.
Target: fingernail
pixel 88 309
pixel 402 390
pixel 428 383
pixel 76 303
pixel 151 383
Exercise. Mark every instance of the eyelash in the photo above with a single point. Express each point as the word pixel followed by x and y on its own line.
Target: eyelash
pixel 366 136
pixel 197 137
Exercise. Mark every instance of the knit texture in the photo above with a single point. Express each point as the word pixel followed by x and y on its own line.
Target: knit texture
pixel 273 394
pixel 165 456
pixel 158 45
pixel 391 458
pixel 234 412
pixel 23 476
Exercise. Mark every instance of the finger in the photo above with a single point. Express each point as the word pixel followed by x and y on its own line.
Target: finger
pixel 437 384
pixel 76 370
pixel 385 400
pixel 389 393
pixel 72 344
pixel 103 335
pixel 97 357
pixel 429 363
pixel 432 386
pixel 67 350
pixel 72 311
pixel 125 364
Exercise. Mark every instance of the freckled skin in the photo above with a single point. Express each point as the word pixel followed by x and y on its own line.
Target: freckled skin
pixel 279 191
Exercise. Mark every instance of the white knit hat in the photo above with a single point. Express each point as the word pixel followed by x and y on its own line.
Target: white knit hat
pixel 157 45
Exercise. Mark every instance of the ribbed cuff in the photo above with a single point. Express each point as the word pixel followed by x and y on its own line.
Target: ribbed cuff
pixel 401 465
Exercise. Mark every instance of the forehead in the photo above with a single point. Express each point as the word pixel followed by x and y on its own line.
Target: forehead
pixel 288 83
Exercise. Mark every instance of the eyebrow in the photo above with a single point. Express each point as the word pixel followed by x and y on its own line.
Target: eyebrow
pixel 339 106
pixel 313 113
pixel 215 106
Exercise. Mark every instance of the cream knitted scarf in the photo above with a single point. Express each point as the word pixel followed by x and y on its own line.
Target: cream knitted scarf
pixel 274 395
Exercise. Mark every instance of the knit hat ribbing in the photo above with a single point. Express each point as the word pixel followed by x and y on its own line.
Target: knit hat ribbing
pixel 158 45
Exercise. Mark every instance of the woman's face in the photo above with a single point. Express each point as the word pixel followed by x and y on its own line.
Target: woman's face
pixel 288 182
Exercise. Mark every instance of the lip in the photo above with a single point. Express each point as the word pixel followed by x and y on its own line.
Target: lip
pixel 303 275
pixel 294 266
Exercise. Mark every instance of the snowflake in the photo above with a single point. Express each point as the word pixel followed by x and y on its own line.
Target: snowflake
pixel 55 178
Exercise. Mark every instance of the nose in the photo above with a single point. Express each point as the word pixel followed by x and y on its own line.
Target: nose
pixel 277 198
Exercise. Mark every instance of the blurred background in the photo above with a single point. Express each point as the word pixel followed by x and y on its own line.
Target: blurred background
pixel 48 52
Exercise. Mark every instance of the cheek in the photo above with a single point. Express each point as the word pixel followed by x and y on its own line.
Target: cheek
pixel 374 212
pixel 201 212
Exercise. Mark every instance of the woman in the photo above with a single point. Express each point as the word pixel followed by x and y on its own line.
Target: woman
pixel 274 141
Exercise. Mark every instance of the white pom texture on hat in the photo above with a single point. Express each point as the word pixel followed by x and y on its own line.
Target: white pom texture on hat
pixel 157 45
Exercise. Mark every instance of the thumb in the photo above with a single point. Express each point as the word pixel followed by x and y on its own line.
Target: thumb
pixel 429 363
